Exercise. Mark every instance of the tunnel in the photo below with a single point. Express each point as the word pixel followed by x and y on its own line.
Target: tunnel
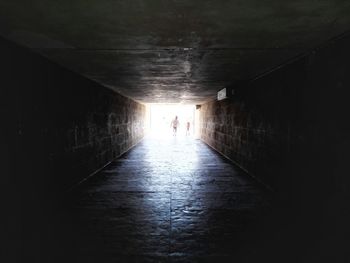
pixel 175 131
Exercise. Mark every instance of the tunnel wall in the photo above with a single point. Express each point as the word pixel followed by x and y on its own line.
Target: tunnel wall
pixel 63 127
pixel 289 127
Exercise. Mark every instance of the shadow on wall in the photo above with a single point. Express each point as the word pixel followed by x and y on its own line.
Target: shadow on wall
pixel 58 128
pixel 63 122
pixel 290 129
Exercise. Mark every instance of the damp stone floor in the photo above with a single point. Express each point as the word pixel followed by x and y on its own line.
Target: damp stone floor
pixel 167 200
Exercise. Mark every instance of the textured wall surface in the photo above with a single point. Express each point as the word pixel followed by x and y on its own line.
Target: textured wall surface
pixel 56 129
pixel 291 129
pixel 289 126
pixel 64 126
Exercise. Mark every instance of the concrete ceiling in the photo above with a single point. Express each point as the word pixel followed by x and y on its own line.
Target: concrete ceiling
pixel 172 50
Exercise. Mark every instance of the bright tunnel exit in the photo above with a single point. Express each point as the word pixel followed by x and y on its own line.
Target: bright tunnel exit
pixel 161 120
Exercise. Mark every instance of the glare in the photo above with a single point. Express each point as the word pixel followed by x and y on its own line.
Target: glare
pixel 162 115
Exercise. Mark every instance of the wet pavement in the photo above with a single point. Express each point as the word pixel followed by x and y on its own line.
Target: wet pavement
pixel 167 200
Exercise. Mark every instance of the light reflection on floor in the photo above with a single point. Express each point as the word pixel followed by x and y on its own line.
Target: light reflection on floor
pixel 169 198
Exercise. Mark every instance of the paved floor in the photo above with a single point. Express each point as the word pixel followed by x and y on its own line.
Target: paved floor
pixel 167 200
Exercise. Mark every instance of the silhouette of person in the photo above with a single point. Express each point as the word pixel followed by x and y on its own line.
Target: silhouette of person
pixel 188 128
pixel 175 123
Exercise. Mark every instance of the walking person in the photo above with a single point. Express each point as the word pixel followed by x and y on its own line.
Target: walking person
pixel 175 123
pixel 188 124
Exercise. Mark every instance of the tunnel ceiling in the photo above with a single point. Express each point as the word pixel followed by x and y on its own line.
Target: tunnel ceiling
pixel 175 50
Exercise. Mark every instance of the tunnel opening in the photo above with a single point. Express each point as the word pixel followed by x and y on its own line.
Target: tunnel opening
pixel 160 120
pixel 83 183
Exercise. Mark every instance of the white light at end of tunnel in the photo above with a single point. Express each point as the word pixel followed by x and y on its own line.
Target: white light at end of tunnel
pixel 161 118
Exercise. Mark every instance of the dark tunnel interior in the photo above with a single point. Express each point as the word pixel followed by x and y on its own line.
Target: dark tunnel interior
pixel 261 174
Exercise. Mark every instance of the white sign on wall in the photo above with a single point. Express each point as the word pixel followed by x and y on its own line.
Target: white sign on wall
pixel 222 94
pixel 226 93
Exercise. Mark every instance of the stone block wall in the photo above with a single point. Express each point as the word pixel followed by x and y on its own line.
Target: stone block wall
pixel 239 134
pixel 105 133
pixel 288 128
pixel 60 126
pixel 57 128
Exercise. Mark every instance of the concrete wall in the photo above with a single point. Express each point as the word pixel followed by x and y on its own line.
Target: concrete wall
pixel 289 128
pixel 63 126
